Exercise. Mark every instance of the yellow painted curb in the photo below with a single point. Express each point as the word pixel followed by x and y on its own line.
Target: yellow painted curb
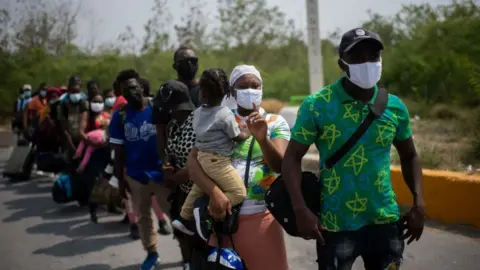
pixel 450 197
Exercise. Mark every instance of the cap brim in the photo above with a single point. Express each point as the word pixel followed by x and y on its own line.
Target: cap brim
pixel 358 40
pixel 185 106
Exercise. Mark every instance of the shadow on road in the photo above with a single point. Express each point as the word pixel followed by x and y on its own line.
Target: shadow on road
pixel 28 188
pixel 78 228
pixel 464 230
pixel 75 247
pixel 28 207
pixel 131 267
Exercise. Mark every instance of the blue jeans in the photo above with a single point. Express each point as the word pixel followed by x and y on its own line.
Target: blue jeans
pixel 380 246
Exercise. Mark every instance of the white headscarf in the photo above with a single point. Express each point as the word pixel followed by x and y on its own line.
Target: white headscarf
pixel 236 74
pixel 241 70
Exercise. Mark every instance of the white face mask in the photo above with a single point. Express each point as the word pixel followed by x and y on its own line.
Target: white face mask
pixel 96 107
pixel 365 75
pixel 247 97
pixel 75 97
pixel 110 101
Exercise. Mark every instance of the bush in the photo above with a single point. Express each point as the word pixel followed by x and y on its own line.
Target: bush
pixel 472 155
pixel 444 112
pixel 415 107
pixel 272 105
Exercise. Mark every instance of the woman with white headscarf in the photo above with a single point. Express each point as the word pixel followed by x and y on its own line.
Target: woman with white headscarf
pixel 259 239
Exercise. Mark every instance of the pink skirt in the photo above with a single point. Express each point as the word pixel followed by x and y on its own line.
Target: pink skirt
pixel 259 241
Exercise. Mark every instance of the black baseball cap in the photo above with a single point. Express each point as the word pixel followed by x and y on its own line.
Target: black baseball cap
pixel 173 96
pixel 356 35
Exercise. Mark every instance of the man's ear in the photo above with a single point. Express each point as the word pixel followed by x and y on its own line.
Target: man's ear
pixel 343 66
pixel 174 66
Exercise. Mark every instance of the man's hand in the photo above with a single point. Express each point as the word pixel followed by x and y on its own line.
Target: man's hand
pixel 308 225
pixel 413 222
pixel 168 176
pixel 123 188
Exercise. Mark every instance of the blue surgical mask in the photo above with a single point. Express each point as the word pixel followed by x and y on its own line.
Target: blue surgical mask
pixel 43 93
pixel 27 94
pixel 75 97
pixel 110 101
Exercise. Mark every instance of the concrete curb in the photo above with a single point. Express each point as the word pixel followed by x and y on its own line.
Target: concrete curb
pixel 451 197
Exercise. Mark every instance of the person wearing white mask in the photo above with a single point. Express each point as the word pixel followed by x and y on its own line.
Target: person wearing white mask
pixel 109 97
pixel 92 149
pixel 259 238
pixel 73 114
pixel 358 205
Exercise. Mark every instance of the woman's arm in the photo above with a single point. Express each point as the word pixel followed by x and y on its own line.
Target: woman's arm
pixel 198 176
pixel 273 149
pixel 273 152
pixel 219 203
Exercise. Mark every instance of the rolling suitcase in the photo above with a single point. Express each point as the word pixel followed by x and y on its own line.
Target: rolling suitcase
pixel 20 164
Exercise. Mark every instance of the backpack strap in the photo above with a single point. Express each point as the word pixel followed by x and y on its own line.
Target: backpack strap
pixel 375 112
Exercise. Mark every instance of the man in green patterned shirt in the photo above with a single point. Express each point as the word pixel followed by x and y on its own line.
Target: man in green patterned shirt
pixel 359 216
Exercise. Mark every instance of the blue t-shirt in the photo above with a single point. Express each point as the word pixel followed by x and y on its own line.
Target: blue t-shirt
pixel 138 137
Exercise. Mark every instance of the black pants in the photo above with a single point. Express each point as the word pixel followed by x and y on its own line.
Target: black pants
pixel 85 181
pixel 193 248
pixel 380 247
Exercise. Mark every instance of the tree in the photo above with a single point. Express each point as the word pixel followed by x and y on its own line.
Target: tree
pixel 41 24
pixel 248 24
pixel 193 28
pixel 127 41
pixel 156 34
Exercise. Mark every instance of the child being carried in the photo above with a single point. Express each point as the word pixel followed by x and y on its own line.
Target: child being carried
pixel 216 132
pixel 97 136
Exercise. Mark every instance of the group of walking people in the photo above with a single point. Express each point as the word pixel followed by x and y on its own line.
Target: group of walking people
pixel 205 153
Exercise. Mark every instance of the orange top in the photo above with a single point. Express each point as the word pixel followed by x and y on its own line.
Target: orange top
pixel 36 106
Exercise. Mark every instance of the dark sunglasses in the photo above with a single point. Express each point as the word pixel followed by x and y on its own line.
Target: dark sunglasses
pixel 192 60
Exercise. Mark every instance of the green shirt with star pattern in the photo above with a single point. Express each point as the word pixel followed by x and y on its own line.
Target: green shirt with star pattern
pixel 357 191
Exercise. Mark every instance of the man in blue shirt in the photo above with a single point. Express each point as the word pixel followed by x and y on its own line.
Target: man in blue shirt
pixel 133 136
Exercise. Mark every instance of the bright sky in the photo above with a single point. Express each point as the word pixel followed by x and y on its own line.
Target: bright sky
pixel 104 20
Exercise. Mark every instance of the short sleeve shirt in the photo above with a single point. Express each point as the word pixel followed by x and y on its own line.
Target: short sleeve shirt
pixel 357 191
pixel 135 131
pixel 36 106
pixel 260 175
pixel 70 114
pixel 181 139
pixel 214 130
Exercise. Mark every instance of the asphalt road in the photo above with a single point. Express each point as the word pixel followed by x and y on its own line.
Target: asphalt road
pixel 36 233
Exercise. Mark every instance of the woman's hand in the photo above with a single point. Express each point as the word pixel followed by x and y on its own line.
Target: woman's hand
pixel 219 206
pixel 257 124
